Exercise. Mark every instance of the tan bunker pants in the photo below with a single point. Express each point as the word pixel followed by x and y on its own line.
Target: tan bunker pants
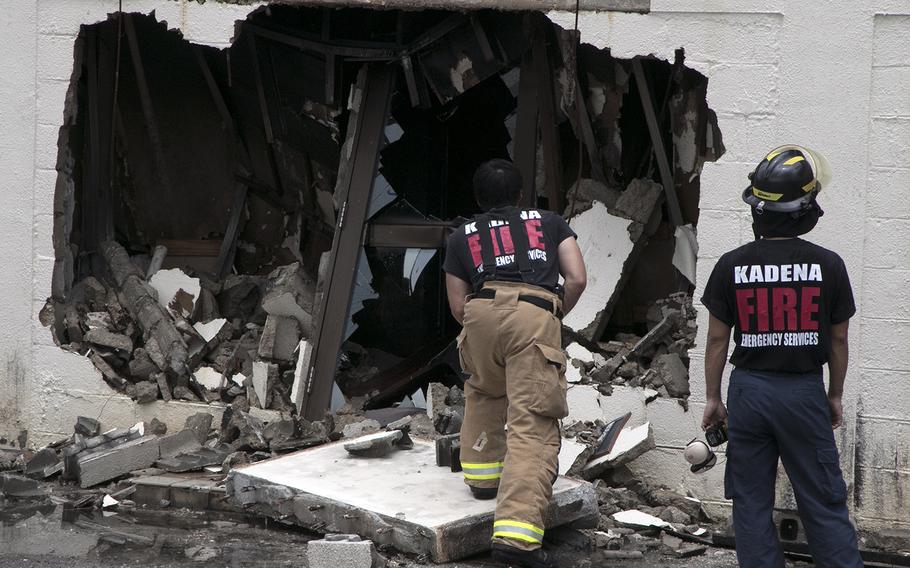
pixel 512 350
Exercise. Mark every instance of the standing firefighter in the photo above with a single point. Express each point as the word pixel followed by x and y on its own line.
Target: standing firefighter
pixel 502 272
pixel 789 303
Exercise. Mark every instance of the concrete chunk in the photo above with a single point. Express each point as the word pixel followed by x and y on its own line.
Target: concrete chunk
pixel 304 353
pixel 340 551
pixel 373 445
pixel 265 375
pixel 101 466
pixel 280 336
pixel 105 338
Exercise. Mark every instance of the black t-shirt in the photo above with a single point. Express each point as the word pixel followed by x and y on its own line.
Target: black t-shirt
pixel 545 229
pixel 781 297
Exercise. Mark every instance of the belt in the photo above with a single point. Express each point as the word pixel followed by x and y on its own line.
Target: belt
pixel 549 305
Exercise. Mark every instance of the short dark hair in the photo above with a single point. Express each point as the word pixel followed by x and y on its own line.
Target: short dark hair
pixel 497 183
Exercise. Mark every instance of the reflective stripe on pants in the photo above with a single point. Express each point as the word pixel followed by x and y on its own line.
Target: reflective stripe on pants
pixel 482 471
pixel 518 530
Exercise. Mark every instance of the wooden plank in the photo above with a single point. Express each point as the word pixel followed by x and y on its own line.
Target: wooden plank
pixel 229 244
pixel 549 129
pixel 376 84
pixel 191 247
pixel 525 148
pixel 145 98
pixel 663 164
pixel 587 134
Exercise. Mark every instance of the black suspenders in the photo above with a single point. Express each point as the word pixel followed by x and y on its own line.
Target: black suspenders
pixel 519 241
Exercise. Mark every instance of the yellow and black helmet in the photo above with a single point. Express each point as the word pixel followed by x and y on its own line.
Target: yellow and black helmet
pixel 787 180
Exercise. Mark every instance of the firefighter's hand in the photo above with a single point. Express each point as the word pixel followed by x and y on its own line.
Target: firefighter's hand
pixel 837 410
pixel 715 413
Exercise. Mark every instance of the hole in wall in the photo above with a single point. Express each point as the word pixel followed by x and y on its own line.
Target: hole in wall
pixel 216 173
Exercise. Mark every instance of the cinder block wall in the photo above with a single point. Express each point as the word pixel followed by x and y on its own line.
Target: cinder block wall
pixel 834 77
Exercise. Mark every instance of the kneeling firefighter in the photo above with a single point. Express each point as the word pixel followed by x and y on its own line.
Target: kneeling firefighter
pixel 502 273
pixel 788 302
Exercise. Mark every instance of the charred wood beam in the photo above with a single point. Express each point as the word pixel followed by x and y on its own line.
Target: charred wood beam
pixel 354 189
pixel 267 116
pixel 225 259
pixel 525 148
pixel 430 234
pixel 549 129
pixel 586 134
pixel 663 164
pixel 154 321
pixel 145 98
pixel 337 47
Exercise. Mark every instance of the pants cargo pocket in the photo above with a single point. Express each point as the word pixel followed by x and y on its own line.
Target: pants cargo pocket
pixel 834 489
pixel 550 399
pixel 464 358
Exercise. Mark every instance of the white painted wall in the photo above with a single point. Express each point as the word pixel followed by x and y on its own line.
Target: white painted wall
pixel 832 75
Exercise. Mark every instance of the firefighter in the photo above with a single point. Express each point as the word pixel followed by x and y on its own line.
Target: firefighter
pixel 502 272
pixel 788 303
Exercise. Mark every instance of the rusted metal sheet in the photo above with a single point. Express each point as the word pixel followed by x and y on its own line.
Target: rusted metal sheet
pixel 354 193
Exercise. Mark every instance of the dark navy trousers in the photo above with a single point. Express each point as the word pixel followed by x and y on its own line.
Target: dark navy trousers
pixel 785 416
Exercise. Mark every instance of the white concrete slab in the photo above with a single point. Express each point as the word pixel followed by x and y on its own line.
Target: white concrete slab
pixel 402 499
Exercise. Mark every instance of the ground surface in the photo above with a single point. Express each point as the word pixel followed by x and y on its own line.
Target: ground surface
pixel 43 535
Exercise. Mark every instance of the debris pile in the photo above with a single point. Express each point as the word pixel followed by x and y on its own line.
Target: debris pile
pixel 173 335
pixel 657 361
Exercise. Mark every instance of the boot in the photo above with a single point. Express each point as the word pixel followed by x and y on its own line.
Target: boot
pixel 511 556
pixel 484 493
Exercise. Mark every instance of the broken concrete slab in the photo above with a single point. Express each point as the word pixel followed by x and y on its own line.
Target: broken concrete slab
pixel 631 443
pixel 340 551
pixel 177 292
pixel 637 202
pixel 194 460
pixel 304 354
pixel 373 445
pixel 361 428
pixel 401 500
pixel 265 375
pixel 605 245
pixel 280 337
pixel 569 453
pixel 100 466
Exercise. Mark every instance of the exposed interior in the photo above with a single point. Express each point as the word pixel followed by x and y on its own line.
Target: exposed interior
pixel 324 157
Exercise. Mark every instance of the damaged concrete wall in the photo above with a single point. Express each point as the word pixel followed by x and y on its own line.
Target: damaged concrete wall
pixel 777 75
pixel 45 388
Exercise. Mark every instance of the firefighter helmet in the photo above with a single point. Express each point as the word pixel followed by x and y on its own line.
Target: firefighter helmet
pixel 787 180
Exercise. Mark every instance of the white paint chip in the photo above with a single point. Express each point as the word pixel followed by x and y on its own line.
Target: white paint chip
pixel 208 377
pixel 636 518
pixel 304 352
pixel 568 454
pixel 208 331
pixel 177 292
